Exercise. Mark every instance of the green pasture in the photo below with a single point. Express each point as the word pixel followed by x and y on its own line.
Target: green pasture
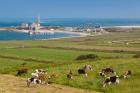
pixel 59 56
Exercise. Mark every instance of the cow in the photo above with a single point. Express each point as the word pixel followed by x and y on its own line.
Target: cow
pixel 38 77
pixel 106 71
pixel 127 74
pixel 70 75
pixel 111 80
pixel 21 71
pixel 84 70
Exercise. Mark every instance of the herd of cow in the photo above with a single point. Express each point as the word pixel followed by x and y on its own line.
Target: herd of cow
pixel 39 76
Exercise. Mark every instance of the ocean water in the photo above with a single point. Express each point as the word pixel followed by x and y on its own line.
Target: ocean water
pixel 72 22
pixel 64 22
pixel 89 22
pixel 9 35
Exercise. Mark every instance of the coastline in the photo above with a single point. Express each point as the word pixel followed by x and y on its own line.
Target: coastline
pixel 125 26
pixel 73 33
pixel 45 31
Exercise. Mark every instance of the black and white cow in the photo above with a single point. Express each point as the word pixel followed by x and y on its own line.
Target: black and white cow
pixel 84 70
pixel 38 77
pixel 106 71
pixel 111 80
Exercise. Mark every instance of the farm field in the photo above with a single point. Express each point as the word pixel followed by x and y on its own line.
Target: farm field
pixel 116 50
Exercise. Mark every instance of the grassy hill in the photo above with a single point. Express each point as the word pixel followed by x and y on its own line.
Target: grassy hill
pixel 114 50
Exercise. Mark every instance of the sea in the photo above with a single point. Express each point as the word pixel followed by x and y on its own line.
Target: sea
pixel 63 22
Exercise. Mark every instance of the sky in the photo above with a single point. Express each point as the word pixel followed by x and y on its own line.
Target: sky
pixel 70 8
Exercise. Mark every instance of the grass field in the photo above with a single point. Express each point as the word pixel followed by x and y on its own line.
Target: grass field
pixel 59 56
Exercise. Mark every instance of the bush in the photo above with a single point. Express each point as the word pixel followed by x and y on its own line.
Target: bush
pixel 136 56
pixel 118 51
pixel 87 57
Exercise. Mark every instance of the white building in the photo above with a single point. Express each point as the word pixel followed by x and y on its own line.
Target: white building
pixel 24 25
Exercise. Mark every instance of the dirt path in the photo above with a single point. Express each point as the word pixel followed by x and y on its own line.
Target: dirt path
pixel 12 84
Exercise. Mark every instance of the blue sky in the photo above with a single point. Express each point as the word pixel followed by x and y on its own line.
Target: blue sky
pixel 70 8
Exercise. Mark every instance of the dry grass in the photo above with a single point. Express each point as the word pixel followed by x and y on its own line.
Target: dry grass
pixel 11 84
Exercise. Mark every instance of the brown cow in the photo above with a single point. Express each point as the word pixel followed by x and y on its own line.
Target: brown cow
pixel 127 74
pixel 70 75
pixel 21 71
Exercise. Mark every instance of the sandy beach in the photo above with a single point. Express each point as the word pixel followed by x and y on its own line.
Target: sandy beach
pixel 126 26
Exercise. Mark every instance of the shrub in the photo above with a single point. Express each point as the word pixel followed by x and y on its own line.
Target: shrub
pixel 87 57
pixel 118 51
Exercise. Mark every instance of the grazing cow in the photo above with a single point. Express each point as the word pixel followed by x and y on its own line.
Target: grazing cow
pixel 106 71
pixel 69 75
pixel 127 74
pixel 38 77
pixel 21 71
pixel 111 80
pixel 82 71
